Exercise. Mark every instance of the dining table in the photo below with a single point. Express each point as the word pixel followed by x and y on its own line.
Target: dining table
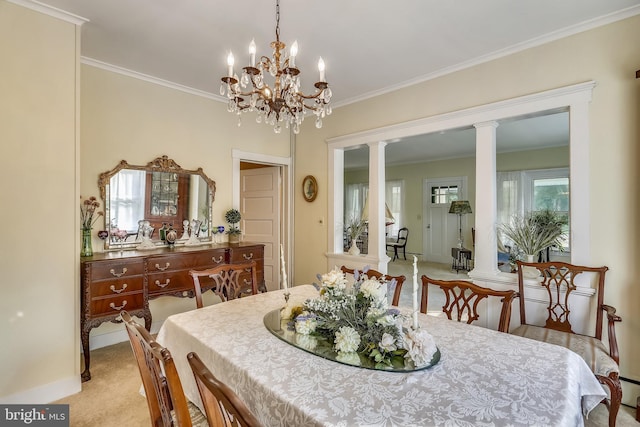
pixel 483 378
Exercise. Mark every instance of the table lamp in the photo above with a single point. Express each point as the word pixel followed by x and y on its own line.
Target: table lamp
pixel 460 207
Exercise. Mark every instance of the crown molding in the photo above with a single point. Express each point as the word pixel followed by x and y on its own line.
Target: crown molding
pixel 51 11
pixel 547 38
pixel 151 79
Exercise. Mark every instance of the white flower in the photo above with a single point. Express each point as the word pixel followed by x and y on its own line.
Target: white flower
pixel 334 279
pixel 372 288
pixel 347 339
pixel 305 325
pixel 388 342
pixel 351 358
pixel 386 320
pixel 420 347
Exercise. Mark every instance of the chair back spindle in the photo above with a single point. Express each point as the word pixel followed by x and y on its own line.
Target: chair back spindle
pixel 462 298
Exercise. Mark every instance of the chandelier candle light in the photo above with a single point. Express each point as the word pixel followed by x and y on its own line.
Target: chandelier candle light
pixel 284 102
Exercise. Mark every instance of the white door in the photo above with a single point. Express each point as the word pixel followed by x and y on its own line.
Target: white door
pixel 440 227
pixel 260 210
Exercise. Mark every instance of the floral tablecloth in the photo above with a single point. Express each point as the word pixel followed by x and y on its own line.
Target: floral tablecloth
pixel 484 377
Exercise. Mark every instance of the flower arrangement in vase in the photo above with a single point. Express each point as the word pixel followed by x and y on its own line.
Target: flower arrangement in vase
pixel 534 232
pixel 359 325
pixel 89 215
pixel 355 228
pixel 233 217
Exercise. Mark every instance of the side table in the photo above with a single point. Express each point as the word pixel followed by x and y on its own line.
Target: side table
pixel 461 258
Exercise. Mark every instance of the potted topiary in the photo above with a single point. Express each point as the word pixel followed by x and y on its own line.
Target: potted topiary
pixel 233 217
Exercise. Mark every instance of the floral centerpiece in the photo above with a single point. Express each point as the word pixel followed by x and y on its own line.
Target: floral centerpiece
pixel 358 322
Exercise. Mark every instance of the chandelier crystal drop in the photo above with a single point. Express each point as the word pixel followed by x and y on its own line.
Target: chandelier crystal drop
pixel 284 103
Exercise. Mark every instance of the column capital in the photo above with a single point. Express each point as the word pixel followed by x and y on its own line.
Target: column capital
pixel 491 123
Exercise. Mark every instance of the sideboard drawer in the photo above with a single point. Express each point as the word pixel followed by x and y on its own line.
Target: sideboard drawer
pixel 117 269
pixel 114 305
pixel 167 283
pixel 186 262
pixel 240 255
pixel 117 286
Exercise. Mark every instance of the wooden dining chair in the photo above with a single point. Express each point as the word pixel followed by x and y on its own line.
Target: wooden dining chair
pixel 557 280
pixel 228 281
pixel 168 405
pixel 462 298
pixel 400 243
pixel 377 275
pixel 222 406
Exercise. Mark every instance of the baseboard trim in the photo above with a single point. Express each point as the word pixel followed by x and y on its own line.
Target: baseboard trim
pixel 46 393
pixel 110 338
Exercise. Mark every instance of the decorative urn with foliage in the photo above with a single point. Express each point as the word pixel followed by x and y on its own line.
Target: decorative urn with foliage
pixel 533 233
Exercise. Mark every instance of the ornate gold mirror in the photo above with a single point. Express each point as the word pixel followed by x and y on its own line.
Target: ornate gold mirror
pixel 159 196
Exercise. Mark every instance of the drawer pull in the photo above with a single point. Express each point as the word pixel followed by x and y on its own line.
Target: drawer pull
pixel 162 268
pixel 250 256
pixel 162 285
pixel 117 291
pixel 247 282
pixel 113 306
pixel 112 271
pixel 217 261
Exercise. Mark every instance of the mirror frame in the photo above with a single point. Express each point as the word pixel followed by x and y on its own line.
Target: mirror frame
pixel 159 164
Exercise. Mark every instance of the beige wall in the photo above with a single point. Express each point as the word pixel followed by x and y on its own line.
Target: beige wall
pixel 131 119
pixel 607 55
pixel 39 215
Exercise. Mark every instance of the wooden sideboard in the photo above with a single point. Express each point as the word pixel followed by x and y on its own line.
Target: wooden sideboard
pixel 127 280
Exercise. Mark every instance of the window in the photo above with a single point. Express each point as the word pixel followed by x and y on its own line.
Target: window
pixel 444 194
pixel 520 192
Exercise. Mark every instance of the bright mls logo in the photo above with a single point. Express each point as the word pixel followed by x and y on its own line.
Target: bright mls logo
pixel 34 415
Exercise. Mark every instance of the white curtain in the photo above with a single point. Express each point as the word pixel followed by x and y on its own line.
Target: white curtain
pixel 127 197
pixel 355 198
pixel 394 197
pixel 510 199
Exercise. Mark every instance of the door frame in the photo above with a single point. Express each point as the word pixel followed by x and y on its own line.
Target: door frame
pixel 285 165
pixel 427 182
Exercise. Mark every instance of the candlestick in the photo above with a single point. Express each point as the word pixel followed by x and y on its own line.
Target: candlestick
pixel 284 271
pixel 415 292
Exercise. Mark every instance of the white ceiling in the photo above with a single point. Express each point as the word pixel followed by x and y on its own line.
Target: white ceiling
pixel 369 46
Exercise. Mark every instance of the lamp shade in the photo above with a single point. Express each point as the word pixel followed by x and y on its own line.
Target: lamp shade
pixel 460 207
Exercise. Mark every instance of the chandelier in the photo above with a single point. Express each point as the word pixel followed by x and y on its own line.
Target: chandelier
pixel 284 103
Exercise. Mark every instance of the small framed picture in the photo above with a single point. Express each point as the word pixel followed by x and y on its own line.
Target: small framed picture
pixel 309 188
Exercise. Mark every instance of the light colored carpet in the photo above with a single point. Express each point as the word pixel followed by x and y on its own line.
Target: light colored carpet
pixel 112 397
